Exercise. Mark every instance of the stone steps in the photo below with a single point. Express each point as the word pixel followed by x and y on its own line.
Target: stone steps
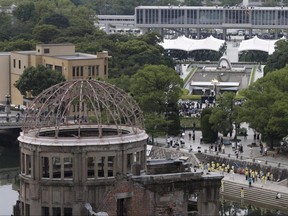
pixel 255 194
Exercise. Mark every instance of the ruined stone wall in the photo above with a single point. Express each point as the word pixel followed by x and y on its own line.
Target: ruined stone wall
pixel 139 201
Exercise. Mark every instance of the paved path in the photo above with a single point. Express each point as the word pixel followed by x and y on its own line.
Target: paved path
pixel 273 158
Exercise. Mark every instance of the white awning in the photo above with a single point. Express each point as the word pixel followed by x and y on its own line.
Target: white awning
pixel 187 44
pixel 256 43
pixel 220 84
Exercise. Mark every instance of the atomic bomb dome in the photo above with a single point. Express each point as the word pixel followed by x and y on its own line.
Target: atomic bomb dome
pixel 83 108
pixel 77 137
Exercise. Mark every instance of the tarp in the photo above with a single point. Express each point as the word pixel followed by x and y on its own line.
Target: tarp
pixel 188 44
pixel 256 43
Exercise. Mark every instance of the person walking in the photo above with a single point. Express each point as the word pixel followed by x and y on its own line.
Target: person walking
pixel 246 174
pixel 265 151
pixel 242 192
pixel 250 181
pixel 237 153
pixel 223 149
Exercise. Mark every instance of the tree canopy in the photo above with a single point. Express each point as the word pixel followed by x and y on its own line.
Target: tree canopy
pixel 157 89
pixel 266 107
pixel 278 59
pixel 226 114
pixel 35 80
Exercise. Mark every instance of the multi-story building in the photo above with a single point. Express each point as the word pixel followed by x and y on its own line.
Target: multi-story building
pixel 4 73
pixel 61 57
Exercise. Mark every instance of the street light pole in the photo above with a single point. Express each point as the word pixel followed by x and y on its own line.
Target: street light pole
pixel 8 107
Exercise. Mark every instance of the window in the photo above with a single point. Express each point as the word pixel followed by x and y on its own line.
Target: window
pixel 49 66
pixel 129 162
pixel 105 69
pixel 46 51
pixel 89 71
pixel 93 71
pixel 27 209
pixel 14 63
pixel 45 167
pixel 45 211
pixel 101 167
pixel 90 167
pixel 77 71
pixel 67 211
pixel 23 163
pixel 121 207
pixel 74 71
pixel 56 167
pixel 56 211
pixel 58 68
pixel 110 166
pixel 19 64
pixel 68 168
pixel 28 165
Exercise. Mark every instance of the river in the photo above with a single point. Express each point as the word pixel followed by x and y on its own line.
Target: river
pixel 9 165
pixel 9 183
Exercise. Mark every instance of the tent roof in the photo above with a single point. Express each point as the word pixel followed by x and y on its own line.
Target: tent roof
pixel 256 43
pixel 221 84
pixel 187 44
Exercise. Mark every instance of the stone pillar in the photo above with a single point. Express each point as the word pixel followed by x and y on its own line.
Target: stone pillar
pixel 160 31
pixel 198 33
pixel 208 201
pixel 250 33
pixel 224 33
pixel 124 162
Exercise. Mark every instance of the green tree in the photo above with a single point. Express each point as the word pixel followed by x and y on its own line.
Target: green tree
pixel 209 133
pixel 5 24
pixel 278 59
pixel 157 89
pixel 25 11
pixel 132 55
pixel 17 45
pixel 45 33
pixel 58 20
pixel 265 108
pixel 122 82
pixel 225 116
pixel 253 56
pixel 35 80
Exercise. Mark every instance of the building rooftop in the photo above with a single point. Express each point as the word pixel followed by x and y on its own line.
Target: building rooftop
pixel 77 56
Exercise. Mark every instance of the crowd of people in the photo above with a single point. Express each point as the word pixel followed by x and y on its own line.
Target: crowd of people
pixel 251 176
pixel 190 109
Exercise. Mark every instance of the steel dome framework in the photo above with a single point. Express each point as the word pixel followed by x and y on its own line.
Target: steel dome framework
pixel 81 103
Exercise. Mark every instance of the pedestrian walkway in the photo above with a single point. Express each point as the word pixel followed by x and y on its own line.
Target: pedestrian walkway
pixel 248 154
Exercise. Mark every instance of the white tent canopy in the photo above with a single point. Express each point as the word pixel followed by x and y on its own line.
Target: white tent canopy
pixel 187 44
pixel 256 43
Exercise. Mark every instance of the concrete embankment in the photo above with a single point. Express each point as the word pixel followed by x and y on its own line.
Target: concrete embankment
pixel 260 194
